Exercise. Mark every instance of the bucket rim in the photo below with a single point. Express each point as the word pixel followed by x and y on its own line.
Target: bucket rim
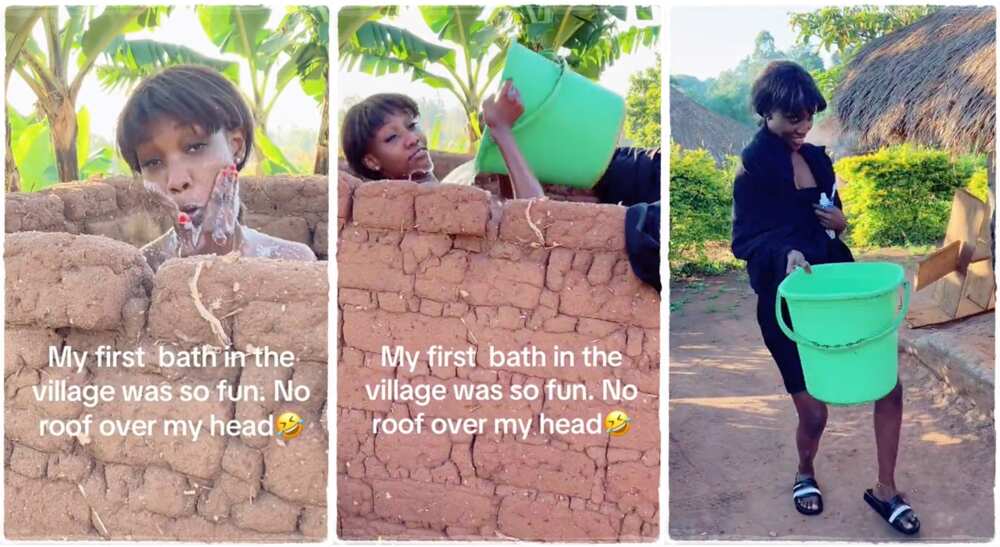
pixel 898 279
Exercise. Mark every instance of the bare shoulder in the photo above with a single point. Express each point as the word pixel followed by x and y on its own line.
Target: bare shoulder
pixel 157 252
pixel 267 246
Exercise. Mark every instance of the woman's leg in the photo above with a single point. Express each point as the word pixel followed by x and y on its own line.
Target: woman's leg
pixel 812 422
pixel 888 420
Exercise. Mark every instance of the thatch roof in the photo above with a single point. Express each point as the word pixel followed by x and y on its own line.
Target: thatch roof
pixel 933 83
pixel 694 126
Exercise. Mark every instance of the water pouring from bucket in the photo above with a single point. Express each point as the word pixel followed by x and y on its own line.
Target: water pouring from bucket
pixel 847 328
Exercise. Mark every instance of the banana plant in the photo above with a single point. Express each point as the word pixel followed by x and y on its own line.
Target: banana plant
pixel 594 36
pixel 465 63
pixel 311 55
pixel 241 30
pixel 129 61
pixel 82 33
pixel 31 150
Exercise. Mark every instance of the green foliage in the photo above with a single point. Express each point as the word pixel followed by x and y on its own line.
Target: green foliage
pixel 472 44
pixel 901 195
pixel 642 108
pixel 701 200
pixel 129 61
pixel 729 93
pixel 86 33
pixel 594 35
pixel 979 184
pixel 844 30
pixel 848 28
pixel 31 146
pixel 274 161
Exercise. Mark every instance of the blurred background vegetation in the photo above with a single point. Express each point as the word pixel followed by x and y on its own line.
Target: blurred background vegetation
pixel 72 67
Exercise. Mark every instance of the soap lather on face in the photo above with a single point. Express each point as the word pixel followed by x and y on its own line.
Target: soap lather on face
pixel 187 132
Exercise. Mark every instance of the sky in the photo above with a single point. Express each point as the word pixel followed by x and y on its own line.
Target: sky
pixel 358 84
pixel 292 109
pixel 706 41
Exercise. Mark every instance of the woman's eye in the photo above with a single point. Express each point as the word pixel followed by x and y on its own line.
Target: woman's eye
pixel 196 146
pixel 150 164
pixel 412 126
pixel 390 138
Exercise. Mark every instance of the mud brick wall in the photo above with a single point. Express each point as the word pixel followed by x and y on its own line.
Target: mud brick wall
pixel 420 266
pixel 87 291
pixel 289 207
pixel 445 162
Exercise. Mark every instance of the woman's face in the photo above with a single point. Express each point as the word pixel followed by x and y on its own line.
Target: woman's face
pixel 792 128
pixel 399 149
pixel 182 161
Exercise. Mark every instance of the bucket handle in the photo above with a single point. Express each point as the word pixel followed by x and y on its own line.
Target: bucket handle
pixel 526 120
pixel 842 347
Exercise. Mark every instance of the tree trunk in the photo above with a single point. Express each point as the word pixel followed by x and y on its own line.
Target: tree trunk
pixel 322 164
pixel 13 182
pixel 62 126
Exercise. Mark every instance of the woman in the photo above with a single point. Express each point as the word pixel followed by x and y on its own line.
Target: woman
pixel 187 132
pixel 778 226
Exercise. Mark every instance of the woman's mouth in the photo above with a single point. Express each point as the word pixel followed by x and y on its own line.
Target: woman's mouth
pixel 192 214
pixel 420 154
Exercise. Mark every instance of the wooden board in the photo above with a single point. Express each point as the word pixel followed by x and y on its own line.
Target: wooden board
pixel 924 310
pixel 980 284
pixel 965 224
pixel 937 265
pixel 948 292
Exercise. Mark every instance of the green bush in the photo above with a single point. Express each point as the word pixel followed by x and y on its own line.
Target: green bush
pixel 979 185
pixel 701 200
pixel 901 195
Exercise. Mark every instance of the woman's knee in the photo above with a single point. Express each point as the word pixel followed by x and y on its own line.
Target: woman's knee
pixel 812 413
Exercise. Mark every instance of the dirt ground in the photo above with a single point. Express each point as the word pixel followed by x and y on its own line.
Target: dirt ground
pixel 732 439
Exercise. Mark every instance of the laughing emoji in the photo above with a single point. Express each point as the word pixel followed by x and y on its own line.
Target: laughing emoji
pixel 288 426
pixel 617 423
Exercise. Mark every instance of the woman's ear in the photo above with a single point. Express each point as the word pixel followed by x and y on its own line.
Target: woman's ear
pixel 237 145
pixel 372 162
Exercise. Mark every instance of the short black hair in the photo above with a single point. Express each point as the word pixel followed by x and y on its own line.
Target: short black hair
pixel 786 87
pixel 189 94
pixel 363 120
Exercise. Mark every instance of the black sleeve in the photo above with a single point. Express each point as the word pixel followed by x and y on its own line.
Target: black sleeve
pixel 633 176
pixel 759 236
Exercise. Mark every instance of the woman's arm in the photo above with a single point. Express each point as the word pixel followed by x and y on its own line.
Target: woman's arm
pixel 500 112
pixel 759 236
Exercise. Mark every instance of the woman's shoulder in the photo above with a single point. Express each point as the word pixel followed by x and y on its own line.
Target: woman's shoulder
pixel 267 246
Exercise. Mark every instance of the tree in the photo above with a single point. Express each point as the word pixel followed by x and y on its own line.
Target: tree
pixel 844 30
pixel 642 108
pixel 729 93
pixel 379 48
pixel 592 35
pixel 311 55
pixel 85 33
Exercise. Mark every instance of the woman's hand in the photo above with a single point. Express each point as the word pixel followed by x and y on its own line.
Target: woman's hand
pixel 504 108
pixel 831 218
pixel 218 223
pixel 795 260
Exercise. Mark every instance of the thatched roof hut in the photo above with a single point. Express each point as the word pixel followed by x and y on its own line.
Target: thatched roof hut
pixel 694 126
pixel 932 82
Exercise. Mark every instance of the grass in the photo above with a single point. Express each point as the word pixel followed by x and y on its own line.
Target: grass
pixel 713 259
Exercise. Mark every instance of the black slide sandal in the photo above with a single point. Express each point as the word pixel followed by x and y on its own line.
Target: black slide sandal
pixel 893 511
pixel 806 487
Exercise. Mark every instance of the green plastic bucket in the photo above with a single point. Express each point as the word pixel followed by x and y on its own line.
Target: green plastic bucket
pixel 846 327
pixel 570 125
